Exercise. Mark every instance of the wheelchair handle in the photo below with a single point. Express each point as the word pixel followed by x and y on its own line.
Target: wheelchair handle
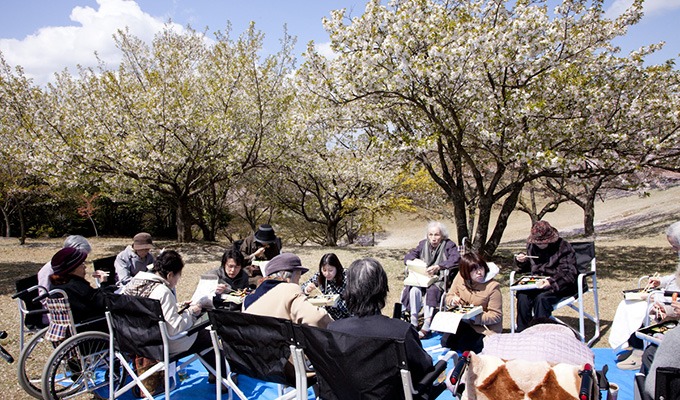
pixel 28 290
pixel 3 353
pixel 586 382
pixel 459 367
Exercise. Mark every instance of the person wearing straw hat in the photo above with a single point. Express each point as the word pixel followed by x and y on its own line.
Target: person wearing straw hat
pixel 136 257
pixel 552 257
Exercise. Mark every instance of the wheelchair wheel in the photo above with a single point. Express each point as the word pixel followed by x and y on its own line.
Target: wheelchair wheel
pixel 80 367
pixel 32 362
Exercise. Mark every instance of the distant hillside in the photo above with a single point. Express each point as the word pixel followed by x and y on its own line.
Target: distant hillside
pixel 626 220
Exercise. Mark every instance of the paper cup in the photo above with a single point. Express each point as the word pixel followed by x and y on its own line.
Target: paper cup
pixel 613 393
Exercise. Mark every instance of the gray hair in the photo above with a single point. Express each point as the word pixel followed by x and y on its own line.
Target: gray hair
pixel 440 226
pixel 78 242
pixel 282 275
pixel 673 231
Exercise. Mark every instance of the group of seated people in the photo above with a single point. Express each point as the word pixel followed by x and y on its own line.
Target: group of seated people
pixel 362 289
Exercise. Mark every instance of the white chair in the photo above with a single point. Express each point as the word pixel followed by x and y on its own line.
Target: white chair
pixel 587 269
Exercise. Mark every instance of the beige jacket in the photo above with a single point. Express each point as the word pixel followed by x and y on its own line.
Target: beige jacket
pixel 287 301
pixel 487 295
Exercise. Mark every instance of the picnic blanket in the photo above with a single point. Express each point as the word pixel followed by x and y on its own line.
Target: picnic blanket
pixel 196 386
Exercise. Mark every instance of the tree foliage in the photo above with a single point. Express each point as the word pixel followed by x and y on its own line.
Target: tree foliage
pixel 489 95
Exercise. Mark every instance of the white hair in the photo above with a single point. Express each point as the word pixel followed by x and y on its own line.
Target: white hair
pixel 78 242
pixel 283 275
pixel 440 226
pixel 673 231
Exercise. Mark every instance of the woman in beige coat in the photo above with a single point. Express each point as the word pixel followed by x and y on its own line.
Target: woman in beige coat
pixel 474 285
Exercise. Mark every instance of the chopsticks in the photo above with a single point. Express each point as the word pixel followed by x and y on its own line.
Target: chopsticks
pixel 649 281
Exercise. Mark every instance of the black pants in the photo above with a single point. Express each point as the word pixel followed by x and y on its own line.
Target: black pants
pixel 535 304
pixel 466 338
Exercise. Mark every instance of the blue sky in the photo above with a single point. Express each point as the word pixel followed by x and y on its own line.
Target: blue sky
pixel 46 36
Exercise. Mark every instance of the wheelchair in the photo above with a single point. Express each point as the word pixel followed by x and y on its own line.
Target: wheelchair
pixel 77 355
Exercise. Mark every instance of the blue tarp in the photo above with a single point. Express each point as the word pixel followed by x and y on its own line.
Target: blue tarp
pixel 197 386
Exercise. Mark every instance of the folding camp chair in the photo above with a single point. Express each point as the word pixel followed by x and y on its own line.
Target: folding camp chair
pixel 586 268
pixel 667 385
pixel 260 347
pixel 360 367
pixel 137 328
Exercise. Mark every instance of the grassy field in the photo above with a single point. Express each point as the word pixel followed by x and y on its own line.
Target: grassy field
pixel 630 244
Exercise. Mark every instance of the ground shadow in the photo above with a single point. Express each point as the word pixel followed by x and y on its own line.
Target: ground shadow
pixel 13 272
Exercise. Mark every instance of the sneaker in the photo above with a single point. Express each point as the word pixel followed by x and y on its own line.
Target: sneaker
pixel 633 362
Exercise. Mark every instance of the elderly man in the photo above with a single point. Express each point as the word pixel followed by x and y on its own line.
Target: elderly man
pixel 279 295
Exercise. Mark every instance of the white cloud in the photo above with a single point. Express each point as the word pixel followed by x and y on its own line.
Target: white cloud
pixel 650 7
pixel 325 50
pixel 51 49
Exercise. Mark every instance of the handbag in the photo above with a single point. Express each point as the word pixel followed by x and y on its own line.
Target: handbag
pixel 155 383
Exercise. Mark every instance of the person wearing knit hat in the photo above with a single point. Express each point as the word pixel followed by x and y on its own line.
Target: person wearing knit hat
pixel 87 303
pixel 136 257
pixel 549 256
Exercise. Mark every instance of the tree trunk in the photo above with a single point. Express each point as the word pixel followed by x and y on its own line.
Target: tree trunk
pixel 589 217
pixel 6 217
pixel 22 225
pixel 331 234
pixel 183 221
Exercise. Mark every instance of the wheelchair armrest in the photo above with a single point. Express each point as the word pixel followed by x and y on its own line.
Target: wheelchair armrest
pixel 38 312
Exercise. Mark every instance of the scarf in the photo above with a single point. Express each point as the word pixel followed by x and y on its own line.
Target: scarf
pixel 434 256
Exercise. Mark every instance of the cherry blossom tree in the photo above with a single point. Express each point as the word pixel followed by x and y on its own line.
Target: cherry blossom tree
pixel 489 95
pixel 178 118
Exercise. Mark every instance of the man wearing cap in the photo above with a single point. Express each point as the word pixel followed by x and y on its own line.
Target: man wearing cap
pixel 550 256
pixel 279 295
pixel 263 245
pixel 134 258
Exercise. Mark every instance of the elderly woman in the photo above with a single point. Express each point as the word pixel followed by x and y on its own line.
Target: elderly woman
pixel 134 258
pixel 550 256
pixel 474 286
pixel 279 295
pixel 69 270
pixel 365 295
pixel 440 255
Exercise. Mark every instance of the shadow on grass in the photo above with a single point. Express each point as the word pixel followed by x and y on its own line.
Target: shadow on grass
pixel 13 272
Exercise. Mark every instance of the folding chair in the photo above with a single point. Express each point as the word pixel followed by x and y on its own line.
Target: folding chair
pixel 30 312
pixel 137 327
pixel 586 268
pixel 106 264
pixel 359 367
pixel 259 347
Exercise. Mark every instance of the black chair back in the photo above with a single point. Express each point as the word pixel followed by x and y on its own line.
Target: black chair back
pixel 354 367
pixel 106 264
pixel 585 252
pixel 135 324
pixel 256 346
pixel 34 319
